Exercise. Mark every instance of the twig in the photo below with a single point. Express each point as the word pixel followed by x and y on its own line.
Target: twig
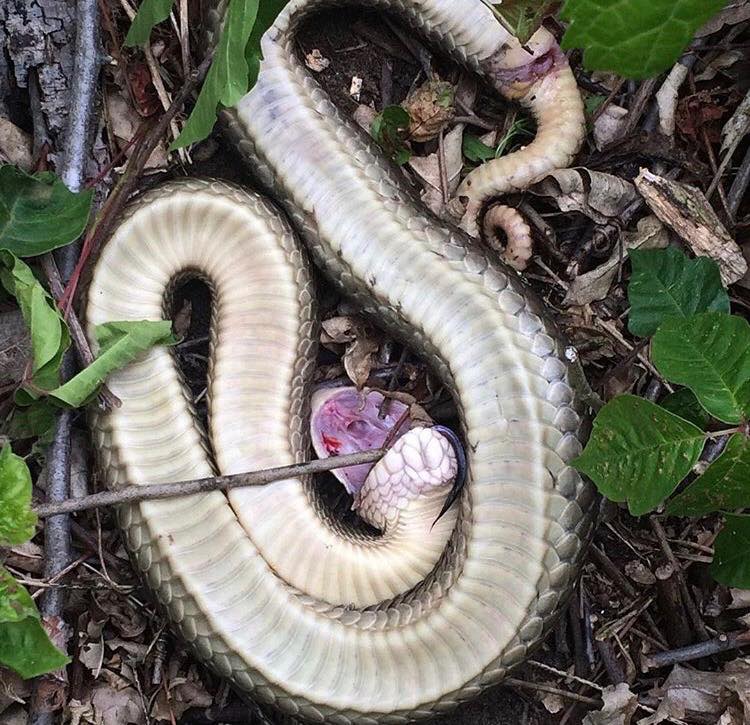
pixel 539 687
pixel 739 185
pixel 148 492
pixel 722 643
pixel 125 186
pixel 687 599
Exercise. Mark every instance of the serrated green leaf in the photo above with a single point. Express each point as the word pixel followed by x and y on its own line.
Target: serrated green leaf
pixel 227 78
pixel 639 452
pixel 119 344
pixel 731 564
pixel 24 645
pixel 684 404
pixel 635 38
pixel 724 485
pixel 666 283
pixel 710 354
pixel 17 520
pixel 49 333
pixel 150 13
pixel 38 213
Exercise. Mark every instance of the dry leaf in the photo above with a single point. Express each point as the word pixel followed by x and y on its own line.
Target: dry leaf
pixel 430 108
pixel 181 696
pixel 685 209
pixel 15 146
pixel 619 707
pixel 113 706
pixel 591 286
pixel 721 62
pixel 599 196
pixel 360 345
pixel 123 124
pixel 428 170
pixel 609 125
pixel 92 655
pixel 126 620
pixel 316 62
pixel 688 692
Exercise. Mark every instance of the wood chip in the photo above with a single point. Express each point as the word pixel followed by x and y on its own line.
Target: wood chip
pixel 685 210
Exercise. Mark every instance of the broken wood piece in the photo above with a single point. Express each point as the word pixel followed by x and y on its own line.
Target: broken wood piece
pixel 685 210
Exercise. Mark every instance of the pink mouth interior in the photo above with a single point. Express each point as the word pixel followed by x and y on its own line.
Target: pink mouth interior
pixel 346 420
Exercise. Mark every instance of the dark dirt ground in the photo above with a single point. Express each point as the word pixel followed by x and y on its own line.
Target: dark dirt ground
pixel 644 577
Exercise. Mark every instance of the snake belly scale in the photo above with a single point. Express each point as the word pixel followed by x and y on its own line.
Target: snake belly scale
pixel 235 573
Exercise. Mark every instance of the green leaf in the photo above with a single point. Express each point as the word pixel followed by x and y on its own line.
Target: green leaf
pixel 731 564
pixel 227 79
pixel 267 12
pixel 523 17
pixel 475 150
pixel 38 213
pixel 33 421
pixel 389 130
pixel 710 354
pixel 725 484
pixel 120 343
pixel 684 404
pixel 666 283
pixel 150 14
pixel 639 452
pixel 17 520
pixel 49 333
pixel 635 38
pixel 24 644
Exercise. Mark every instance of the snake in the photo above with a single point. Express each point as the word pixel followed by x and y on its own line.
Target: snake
pixel 328 622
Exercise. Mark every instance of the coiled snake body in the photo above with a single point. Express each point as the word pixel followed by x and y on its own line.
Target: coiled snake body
pixel 326 623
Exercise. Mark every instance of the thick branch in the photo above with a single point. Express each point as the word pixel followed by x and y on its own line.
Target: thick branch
pixel 148 492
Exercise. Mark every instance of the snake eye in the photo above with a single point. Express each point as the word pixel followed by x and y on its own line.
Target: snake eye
pixel 461 469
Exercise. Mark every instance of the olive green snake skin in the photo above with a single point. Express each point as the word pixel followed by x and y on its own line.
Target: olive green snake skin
pixel 245 577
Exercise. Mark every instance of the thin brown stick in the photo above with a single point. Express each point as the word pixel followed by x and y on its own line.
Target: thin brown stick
pixel 539 687
pixel 687 600
pixel 722 643
pixel 148 492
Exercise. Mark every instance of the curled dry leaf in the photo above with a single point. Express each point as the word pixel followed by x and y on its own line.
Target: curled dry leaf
pixel 179 696
pixel 687 693
pixel 639 573
pixel 619 707
pixel 685 210
pixel 667 97
pixel 721 62
pixel 15 146
pixel 359 342
pixel 591 286
pixel 733 13
pixel 608 127
pixel 430 107
pixel 599 196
